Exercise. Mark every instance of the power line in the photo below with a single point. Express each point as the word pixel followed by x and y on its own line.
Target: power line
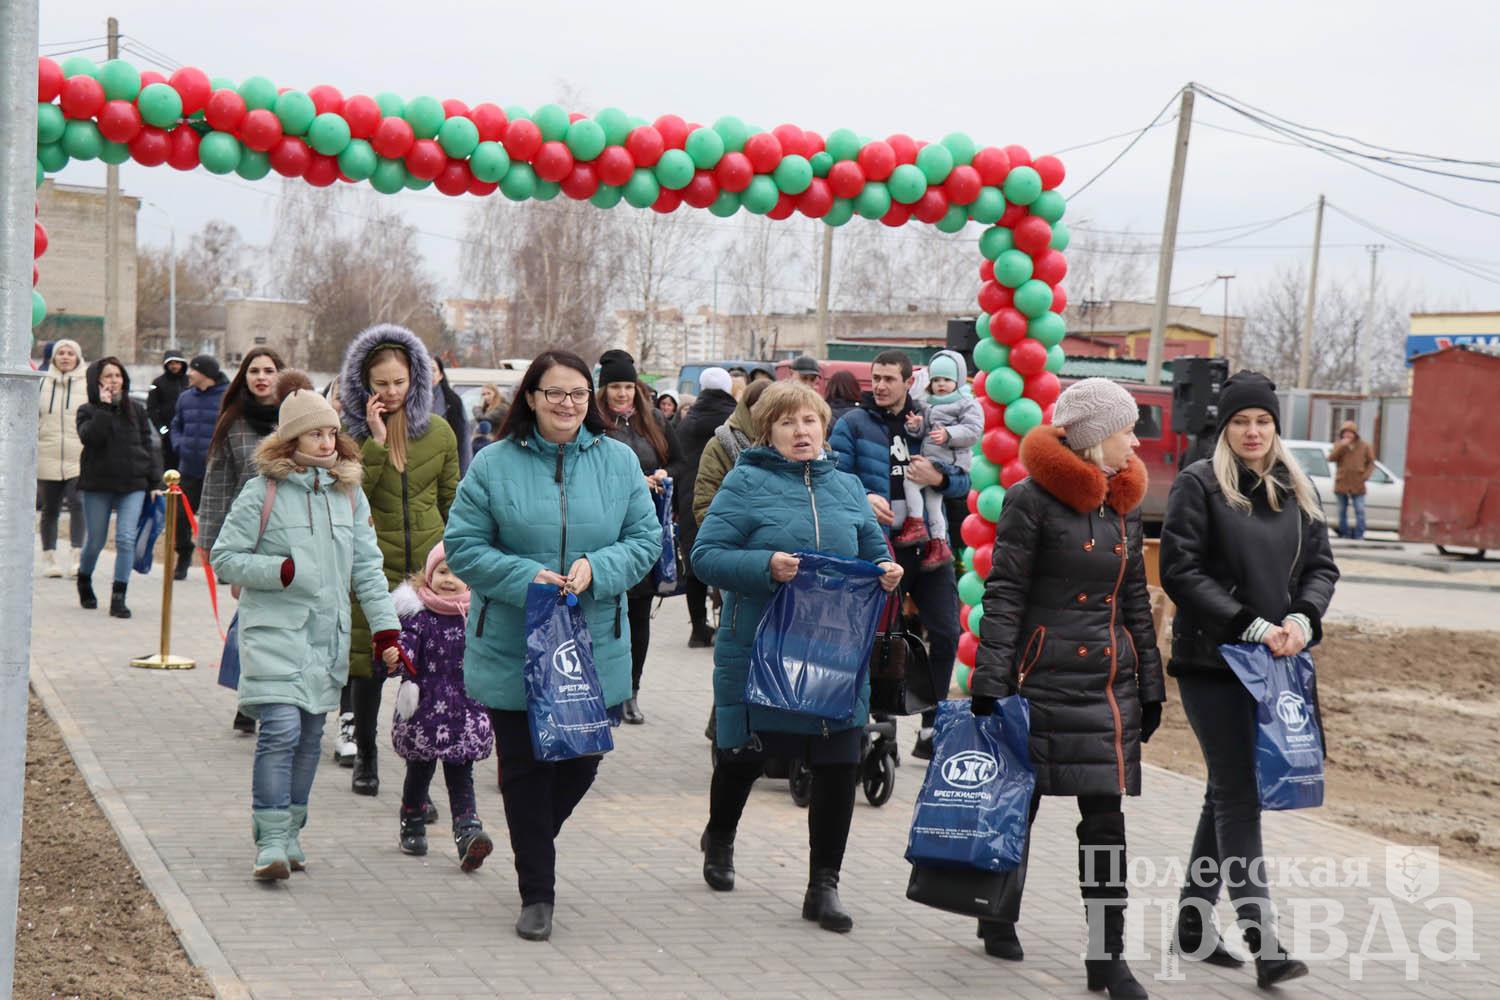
pixel 153 50
pixel 1110 138
pixel 1084 228
pixel 1456 263
pixel 1128 147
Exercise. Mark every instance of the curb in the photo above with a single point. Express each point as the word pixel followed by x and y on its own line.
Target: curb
pixel 202 950
pixel 1396 581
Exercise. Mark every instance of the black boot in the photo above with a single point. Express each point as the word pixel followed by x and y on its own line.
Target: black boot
pixel 822 902
pixel 535 922
pixel 474 845
pixel 702 637
pixel 1101 877
pixel 718 860
pixel 1000 940
pixel 117 608
pixel 184 560
pixel 632 712
pixel 1272 964
pixel 413 833
pixel 86 598
pixel 243 723
pixel 1191 934
pixel 429 811
pixel 366 775
pixel 1112 972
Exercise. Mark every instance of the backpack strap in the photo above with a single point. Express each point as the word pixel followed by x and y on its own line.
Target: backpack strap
pixel 265 512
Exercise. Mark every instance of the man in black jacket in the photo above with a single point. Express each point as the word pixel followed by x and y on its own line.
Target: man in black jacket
pixel 713 407
pixel 161 403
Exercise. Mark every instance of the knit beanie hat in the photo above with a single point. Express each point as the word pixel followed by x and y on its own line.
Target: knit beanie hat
pixel 1247 390
pixel 616 366
pixel 942 366
pixel 1093 409
pixel 304 410
pixel 434 560
pixel 805 364
pixel 715 378
pixel 207 366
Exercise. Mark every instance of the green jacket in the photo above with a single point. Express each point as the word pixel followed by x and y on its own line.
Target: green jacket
pixel 529 506
pixel 716 463
pixel 294 640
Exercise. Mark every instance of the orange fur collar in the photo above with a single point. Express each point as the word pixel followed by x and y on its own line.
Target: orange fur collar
pixel 1079 484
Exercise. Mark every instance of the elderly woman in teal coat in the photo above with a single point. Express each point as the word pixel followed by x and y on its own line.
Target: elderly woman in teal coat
pixel 553 501
pixel 782 497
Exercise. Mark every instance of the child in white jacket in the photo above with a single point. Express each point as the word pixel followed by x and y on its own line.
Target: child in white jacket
pixel 954 424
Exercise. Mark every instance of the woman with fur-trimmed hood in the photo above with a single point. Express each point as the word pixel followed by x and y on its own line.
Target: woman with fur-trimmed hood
pixel 410 478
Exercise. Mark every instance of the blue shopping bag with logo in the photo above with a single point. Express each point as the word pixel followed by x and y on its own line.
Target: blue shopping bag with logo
pixel 666 572
pixel 153 521
pixel 812 646
pixel 974 807
pixel 229 660
pixel 1289 729
pixel 564 701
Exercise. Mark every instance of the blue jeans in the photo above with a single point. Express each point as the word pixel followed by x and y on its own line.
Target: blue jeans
pixel 97 507
pixel 288 744
pixel 1345 500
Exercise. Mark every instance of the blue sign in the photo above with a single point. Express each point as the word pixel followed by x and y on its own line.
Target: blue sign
pixel 1426 343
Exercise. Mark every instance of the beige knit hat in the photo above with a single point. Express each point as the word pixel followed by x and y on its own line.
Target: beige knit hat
pixel 304 410
pixel 1093 409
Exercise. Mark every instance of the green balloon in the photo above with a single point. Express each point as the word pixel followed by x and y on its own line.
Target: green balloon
pixel 989 206
pixel 991 355
pixel 954 220
pixel 725 205
pixel 358 160
pixel 976 615
pixel 842 144
pixel 1033 298
pixel 1013 268
pixel 221 83
pixel 982 325
pixel 81 140
pixel 38 308
pixel 1056 359
pixel 389 176
pixel 113 153
pixel 413 183
pixel 971 589
pixel 329 134
pixel 253 166
pixel 553 122
pixel 489 162
pixel 935 161
pixel 79 66
pixel 706 147
pixel 990 501
pixel 761 196
pixel 642 190
pixel 734 132
pixel 1048 328
pixel 296 111
pixel 794 174
pixel 121 80
pixel 390 105
pixel 821 163
pixel 983 473
pixel 258 93
pixel 841 212
pixel 607 196
pixel 516 112
pixel 41 175
pixel 907 184
pixel 519 183
pixel 1050 206
pixel 1004 385
pixel 961 146
pixel 425 115
pixel 219 152
pixel 585 139
pixel 1022 415
pixel 674 171
pixel 160 105
pixel 546 190
pixel 1023 185
pixel 636 121
pixel 458 136
pixel 873 200
pixel 995 241
pixel 616 126
pixel 1061 234
pixel 49 123
pixel 51 157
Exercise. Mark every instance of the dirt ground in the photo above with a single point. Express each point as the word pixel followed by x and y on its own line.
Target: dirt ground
pixel 87 927
pixel 1413 721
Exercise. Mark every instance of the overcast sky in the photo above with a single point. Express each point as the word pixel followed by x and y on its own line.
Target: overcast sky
pixel 1418 77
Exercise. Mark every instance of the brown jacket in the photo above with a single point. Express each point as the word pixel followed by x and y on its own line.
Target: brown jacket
pixel 1355 460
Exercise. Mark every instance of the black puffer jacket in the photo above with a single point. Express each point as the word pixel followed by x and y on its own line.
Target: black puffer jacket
pixel 1067 619
pixel 119 444
pixel 1224 568
pixel 626 431
pixel 712 409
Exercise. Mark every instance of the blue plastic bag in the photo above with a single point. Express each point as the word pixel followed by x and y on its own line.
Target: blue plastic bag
pixel 974 807
pixel 153 521
pixel 1288 733
pixel 564 701
pixel 812 646
pixel 665 572
pixel 229 661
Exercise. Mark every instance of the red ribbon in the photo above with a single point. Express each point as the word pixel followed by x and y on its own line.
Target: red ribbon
pixel 208 570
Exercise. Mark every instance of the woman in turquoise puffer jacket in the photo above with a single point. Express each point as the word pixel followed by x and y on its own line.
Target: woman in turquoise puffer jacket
pixel 782 497
pixel 556 502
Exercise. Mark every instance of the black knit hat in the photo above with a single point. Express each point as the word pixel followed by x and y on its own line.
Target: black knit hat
pixel 207 366
pixel 1248 390
pixel 616 366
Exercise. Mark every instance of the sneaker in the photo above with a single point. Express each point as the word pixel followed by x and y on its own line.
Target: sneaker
pixel 413 834
pixel 474 845
pixel 344 750
pixel 50 568
pixel 938 555
pixel 912 534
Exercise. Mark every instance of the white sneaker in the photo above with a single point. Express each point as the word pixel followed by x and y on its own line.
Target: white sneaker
pixel 71 561
pixel 50 568
pixel 344 749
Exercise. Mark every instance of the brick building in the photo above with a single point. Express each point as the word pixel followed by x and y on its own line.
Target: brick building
pixel 73 270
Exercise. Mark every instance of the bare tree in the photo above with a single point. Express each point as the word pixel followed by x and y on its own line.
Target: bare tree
pixel 565 259
pixel 658 250
pixel 1105 267
pixel 761 262
pixel 218 260
pixel 485 273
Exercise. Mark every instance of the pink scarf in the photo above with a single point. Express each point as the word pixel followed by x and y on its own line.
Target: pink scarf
pixel 440 604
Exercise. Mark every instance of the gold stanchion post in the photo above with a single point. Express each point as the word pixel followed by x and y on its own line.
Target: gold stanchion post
pixel 163 659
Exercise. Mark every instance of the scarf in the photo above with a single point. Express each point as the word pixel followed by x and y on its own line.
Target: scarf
pixel 260 416
pixel 627 414
pixel 311 461
pixel 442 604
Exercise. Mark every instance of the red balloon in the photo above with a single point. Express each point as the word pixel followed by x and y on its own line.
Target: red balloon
pixel 673 131
pixel 38 239
pixel 362 114
pixel 986 270
pixel 322 171
pixel 614 166
pixel 976 385
pixel 1011 216
pixel 1011 473
pixel 150 76
pixel 1059 299
pixel 734 172
pixel 904 146
pixel 994 413
pixel 193 87
pixel 973 502
pixel 326 98
pixel 1051 169
pixel 553 162
pixel 764 152
pixel 1029 357
pixel 1008 326
pixel 425 160
pixel 183 154
pixel 846 179
pixel 150 147
pixel 1047 413
pixel 454 180
pixel 877 159
pixel 581 183
pixel 667 201
pixel 898 215
pixel 785 205
pixel 82 97
pixel 225 110
pixel 1051 267
pixel 993 297
pixel 646 143
pixel 968 648
pixel 962 185
pixel 260 130
pixel 291 157
pixel 454 108
pixel 932 206
pixel 120 121
pixel 574 116
pixel 984 561
pixel 1044 388
pixel 978 532
pixel 482 188
pixel 49 80
pixel 1032 234
pixel 36 275
pixel 992 165
pixel 522 139
pixel 490 119
pixel 793 140
pixel 392 138
pixel 701 190
pixel 817 200
pixel 1018 156
pixel 1000 445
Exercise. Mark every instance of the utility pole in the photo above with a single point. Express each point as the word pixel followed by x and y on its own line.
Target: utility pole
pixel 1367 335
pixel 113 335
pixel 1225 347
pixel 713 336
pixel 1169 239
pixel 825 274
pixel 1304 363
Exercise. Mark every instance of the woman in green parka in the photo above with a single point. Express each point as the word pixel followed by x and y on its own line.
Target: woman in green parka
pixel 411 474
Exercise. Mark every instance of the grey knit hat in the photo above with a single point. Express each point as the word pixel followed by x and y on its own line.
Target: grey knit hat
pixel 1093 409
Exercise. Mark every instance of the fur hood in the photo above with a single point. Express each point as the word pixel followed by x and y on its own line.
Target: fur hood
pixel 1077 483
pixel 348 472
pixel 406 601
pixel 354 389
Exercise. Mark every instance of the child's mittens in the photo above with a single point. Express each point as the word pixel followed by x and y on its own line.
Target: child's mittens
pixel 388 647
pixel 407 697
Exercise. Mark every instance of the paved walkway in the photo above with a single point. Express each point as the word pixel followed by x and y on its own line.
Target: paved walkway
pixel 634 917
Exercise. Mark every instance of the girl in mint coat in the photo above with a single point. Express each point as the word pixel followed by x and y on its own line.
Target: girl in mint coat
pixel 295 563
pixel 553 501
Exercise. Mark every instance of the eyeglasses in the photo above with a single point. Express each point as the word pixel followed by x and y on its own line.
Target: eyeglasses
pixel 555 396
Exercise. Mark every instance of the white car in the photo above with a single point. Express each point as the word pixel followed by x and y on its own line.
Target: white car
pixel 1382 492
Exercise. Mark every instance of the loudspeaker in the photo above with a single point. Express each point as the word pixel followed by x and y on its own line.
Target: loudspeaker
pixel 963 338
pixel 1196 384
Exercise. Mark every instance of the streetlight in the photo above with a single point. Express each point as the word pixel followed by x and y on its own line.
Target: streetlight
pixel 171 275
pixel 1224 320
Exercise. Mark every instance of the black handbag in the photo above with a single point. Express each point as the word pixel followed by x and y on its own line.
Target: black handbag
pixel 967 891
pixel 901 680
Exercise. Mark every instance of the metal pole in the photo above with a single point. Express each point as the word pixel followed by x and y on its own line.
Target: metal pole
pixel 825 275
pixel 112 332
pixel 1367 335
pixel 18 396
pixel 163 659
pixel 1304 363
pixel 1169 239
pixel 1225 347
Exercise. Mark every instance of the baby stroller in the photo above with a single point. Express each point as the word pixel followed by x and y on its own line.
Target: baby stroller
pixel 878 760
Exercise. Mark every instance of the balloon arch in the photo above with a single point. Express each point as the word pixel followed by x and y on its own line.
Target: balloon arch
pixel 114 112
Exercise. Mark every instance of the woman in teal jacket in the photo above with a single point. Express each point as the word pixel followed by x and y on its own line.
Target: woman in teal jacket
pixel 296 563
pixel 782 497
pixel 553 501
